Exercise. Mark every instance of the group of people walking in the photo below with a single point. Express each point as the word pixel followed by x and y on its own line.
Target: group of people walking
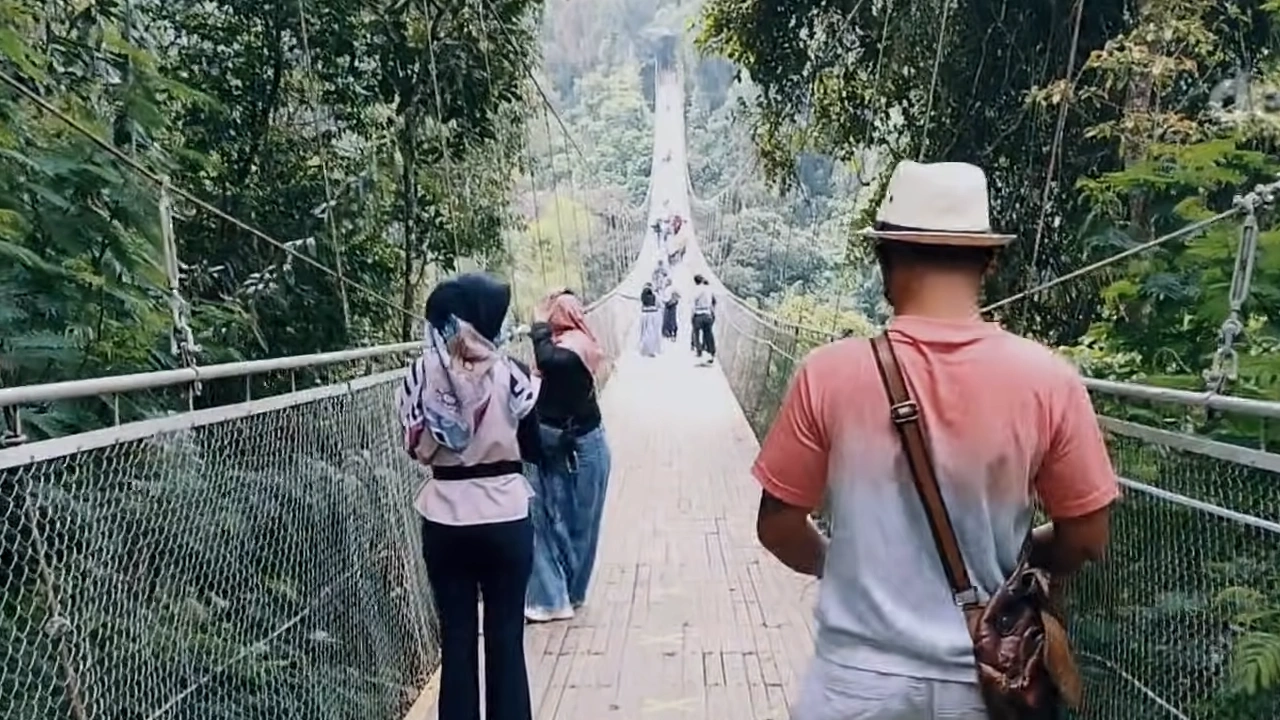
pixel 658 303
pixel 665 229
pixel 659 307
pixel 519 469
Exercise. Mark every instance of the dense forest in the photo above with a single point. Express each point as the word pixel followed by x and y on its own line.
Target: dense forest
pixel 1102 126
pixel 1105 129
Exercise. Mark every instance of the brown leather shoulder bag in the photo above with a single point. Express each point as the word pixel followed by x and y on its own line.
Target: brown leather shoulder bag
pixel 1024 660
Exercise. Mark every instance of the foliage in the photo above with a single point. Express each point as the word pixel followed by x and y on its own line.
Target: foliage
pixel 816 313
pixel 375 139
pixel 378 140
pixel 1094 143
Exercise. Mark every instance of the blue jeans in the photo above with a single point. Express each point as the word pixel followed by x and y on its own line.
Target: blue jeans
pixel 567 507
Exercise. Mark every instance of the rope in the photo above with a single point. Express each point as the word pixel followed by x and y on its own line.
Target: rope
pixel 157 180
pixel 528 70
pixel 555 191
pixel 533 194
pixel 506 236
pixel 448 158
pixel 182 342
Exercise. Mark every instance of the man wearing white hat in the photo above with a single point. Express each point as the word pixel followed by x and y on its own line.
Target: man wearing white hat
pixel 1005 421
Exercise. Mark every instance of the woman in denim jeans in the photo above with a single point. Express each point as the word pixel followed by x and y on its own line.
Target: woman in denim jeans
pixel 570 482
pixel 466 408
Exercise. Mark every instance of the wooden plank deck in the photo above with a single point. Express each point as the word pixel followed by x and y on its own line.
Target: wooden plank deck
pixel 687 617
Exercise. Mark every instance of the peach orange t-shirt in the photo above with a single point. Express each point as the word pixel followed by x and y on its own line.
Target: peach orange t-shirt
pixel 1007 421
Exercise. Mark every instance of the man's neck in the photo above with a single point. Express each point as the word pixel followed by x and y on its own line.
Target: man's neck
pixel 940 297
pixel 940 306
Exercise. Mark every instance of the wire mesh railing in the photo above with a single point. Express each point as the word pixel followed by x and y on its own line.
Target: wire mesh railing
pixel 1180 621
pixel 253 560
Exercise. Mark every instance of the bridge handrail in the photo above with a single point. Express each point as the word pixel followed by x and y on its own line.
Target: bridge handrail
pixel 1206 399
pixel 57 447
pixel 135 382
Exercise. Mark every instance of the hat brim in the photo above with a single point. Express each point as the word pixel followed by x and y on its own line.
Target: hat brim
pixel 941 238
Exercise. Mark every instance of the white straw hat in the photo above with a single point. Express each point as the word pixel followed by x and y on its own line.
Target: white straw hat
pixel 937 204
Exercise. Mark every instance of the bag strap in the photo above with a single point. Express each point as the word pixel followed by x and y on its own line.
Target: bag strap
pixel 905 414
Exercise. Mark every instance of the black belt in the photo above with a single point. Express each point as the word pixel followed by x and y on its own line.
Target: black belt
pixel 473 472
pixel 574 427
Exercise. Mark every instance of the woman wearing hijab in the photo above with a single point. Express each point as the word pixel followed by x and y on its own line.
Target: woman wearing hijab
pixel 464 406
pixel 572 478
pixel 670 325
pixel 650 322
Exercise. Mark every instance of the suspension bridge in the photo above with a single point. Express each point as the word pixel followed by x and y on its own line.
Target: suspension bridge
pixel 282 553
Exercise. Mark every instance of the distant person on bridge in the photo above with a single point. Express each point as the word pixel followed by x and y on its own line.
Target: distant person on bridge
pixel 650 322
pixel 1007 422
pixel 661 278
pixel 670 317
pixel 704 319
pixel 465 408
pixel 572 478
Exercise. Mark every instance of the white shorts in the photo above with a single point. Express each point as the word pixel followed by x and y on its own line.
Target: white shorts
pixel 832 692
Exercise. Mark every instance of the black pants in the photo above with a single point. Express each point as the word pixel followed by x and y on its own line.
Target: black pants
pixel 703 338
pixel 464 564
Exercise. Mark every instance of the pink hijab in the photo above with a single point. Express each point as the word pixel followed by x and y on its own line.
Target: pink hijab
pixel 569 330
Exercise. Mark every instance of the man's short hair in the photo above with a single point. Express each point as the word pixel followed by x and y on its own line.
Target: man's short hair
pixel 897 253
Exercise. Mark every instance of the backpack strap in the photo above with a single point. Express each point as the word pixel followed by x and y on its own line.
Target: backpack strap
pixel 905 414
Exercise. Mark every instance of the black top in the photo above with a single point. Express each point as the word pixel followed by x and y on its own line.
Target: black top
pixel 567 399
pixel 648 298
pixel 527 433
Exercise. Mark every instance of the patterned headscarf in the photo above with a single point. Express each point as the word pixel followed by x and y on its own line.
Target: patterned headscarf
pixel 448 390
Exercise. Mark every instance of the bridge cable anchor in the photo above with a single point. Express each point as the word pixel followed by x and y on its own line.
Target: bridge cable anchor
pixel 1226 360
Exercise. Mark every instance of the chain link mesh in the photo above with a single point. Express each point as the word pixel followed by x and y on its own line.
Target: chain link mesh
pixel 257 567
pixel 1183 618
pixel 259 560
pixel 1184 610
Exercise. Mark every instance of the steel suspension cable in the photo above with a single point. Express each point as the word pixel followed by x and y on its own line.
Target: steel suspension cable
pixel 933 80
pixel 1059 128
pixel 556 199
pixel 1267 191
pixel 323 148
